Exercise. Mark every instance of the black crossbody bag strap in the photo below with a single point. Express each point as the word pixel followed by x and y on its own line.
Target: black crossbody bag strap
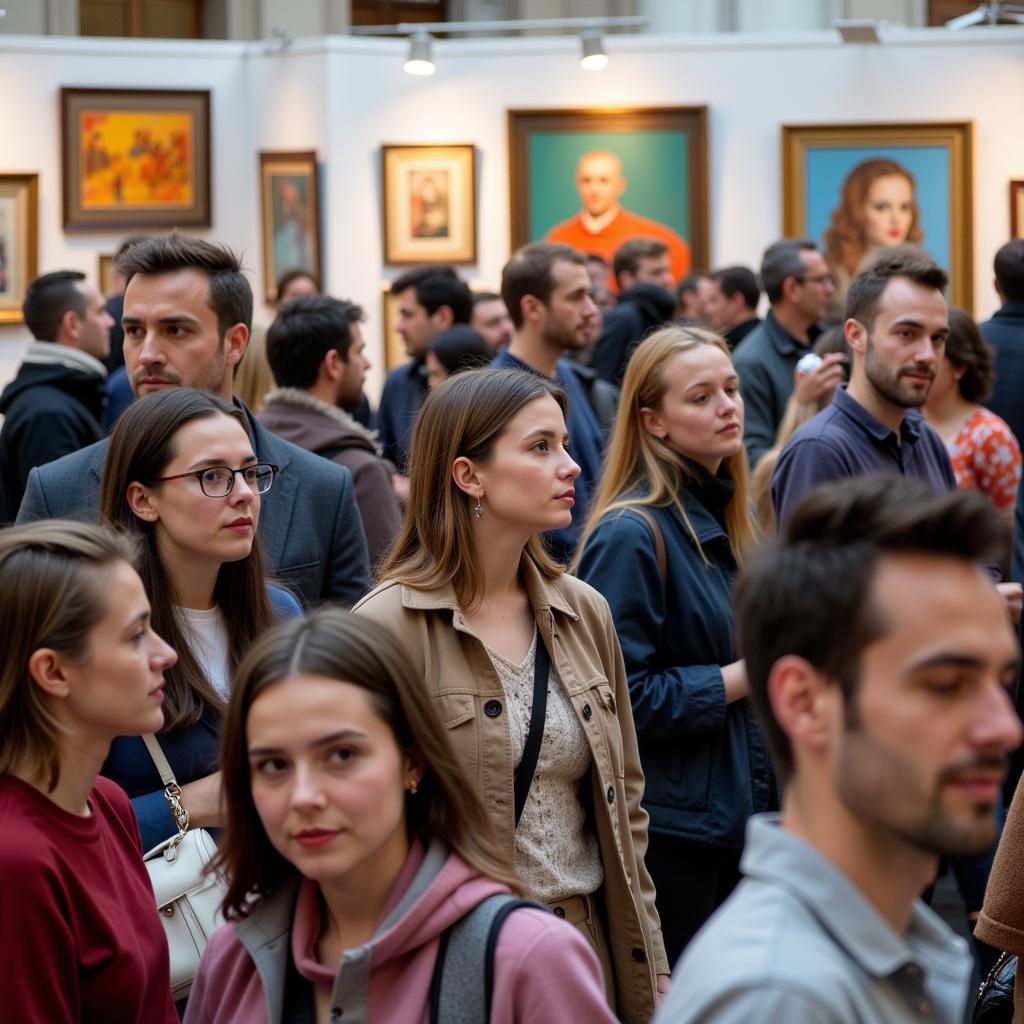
pixel 538 713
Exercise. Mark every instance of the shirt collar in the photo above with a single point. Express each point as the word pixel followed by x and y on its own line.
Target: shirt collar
pixel 784 342
pixel 783 860
pixel 910 430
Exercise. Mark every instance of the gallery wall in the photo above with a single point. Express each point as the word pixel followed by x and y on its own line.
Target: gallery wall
pixel 345 97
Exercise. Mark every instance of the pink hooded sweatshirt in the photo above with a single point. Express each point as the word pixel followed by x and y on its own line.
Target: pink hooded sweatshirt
pixel 544 970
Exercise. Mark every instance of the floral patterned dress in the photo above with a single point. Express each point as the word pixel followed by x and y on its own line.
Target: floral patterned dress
pixel 986 456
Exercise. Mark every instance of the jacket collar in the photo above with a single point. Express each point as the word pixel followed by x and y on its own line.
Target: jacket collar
pixel 782 341
pixel 51 353
pixel 543 593
pixel 1010 309
pixel 303 399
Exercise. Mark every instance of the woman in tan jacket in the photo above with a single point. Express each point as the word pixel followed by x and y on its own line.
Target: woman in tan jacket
pixel 476 603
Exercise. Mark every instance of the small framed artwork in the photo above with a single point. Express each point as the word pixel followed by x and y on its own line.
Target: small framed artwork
pixel 1017 208
pixel 19 241
pixel 105 272
pixel 135 158
pixel 290 204
pixel 429 204
pixel 594 179
pixel 856 188
pixel 393 346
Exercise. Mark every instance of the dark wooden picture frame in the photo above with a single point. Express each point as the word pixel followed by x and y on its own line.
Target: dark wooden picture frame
pixel 654 183
pixel 19 241
pixel 290 215
pixel 135 158
pixel 1017 208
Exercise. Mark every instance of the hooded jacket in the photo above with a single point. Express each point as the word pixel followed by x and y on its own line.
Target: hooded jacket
pixel 51 408
pixel 544 970
pixel 324 429
pixel 640 309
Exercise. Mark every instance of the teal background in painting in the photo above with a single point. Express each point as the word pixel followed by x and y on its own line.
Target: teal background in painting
pixel 655 164
pixel 828 167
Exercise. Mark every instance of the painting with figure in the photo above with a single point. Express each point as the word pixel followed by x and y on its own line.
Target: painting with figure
pixel 290 203
pixel 594 179
pixel 859 189
pixel 428 195
pixel 19 241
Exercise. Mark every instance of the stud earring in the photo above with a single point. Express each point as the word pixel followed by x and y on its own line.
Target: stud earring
pixel 478 511
pixel 413 787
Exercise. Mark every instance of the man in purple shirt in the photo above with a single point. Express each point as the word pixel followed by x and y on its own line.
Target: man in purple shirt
pixel 896 324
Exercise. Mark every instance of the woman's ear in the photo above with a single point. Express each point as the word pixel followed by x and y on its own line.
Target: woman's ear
pixel 413 769
pixel 140 501
pixel 47 671
pixel 466 477
pixel 652 422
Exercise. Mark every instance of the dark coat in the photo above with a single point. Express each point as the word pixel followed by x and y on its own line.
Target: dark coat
pixel 1005 333
pixel 309 524
pixel 640 310
pixel 49 411
pixel 705 762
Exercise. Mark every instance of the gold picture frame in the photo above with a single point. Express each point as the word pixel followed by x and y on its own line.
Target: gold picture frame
pixel 1017 208
pixel 818 158
pixel 19 241
pixel 391 341
pixel 428 204
pixel 105 273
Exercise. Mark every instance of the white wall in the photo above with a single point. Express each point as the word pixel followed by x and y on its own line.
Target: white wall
pixel 345 97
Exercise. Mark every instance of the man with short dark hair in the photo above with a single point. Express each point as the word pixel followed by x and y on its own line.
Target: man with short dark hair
pixel 430 299
pixel 644 278
pixel 896 325
pixel 187 315
pixel 55 403
pixel 1005 333
pixel 691 295
pixel 317 355
pixel 880 661
pixel 799 285
pixel 731 303
pixel 546 289
pixel 491 321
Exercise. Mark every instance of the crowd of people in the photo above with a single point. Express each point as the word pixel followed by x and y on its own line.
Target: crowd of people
pixel 637 658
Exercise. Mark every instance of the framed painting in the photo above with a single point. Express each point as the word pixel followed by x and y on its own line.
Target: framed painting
pixel 105 272
pixel 429 204
pixel 596 178
pixel 1017 208
pixel 290 205
pixel 858 187
pixel 19 241
pixel 135 158
pixel 393 346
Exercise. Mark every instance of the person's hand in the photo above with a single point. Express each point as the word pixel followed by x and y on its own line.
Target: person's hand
pixel 809 388
pixel 1011 593
pixel 664 983
pixel 202 800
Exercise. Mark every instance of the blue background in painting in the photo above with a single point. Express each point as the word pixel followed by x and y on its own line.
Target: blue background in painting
pixel 654 163
pixel 827 168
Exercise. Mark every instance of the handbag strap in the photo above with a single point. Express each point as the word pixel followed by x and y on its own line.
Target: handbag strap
pixel 659 538
pixel 172 791
pixel 538 714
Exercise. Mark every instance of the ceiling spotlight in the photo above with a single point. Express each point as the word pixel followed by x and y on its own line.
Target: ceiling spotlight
pixel 420 60
pixel 594 58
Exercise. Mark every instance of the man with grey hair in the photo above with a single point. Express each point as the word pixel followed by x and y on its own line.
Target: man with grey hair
pixel 798 284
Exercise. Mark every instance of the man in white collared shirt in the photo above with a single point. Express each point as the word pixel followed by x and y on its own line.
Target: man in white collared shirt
pixel 880 657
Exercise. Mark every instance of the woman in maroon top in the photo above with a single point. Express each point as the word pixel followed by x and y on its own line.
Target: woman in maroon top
pixel 79 935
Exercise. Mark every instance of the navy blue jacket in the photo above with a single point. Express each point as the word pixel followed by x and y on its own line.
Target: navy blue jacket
pixel 1005 333
pixel 193 754
pixel 405 387
pixel 705 762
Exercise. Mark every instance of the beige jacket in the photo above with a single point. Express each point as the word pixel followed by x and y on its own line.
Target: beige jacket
pixel 576 625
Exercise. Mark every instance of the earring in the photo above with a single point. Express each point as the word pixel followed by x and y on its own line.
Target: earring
pixel 413 787
pixel 478 511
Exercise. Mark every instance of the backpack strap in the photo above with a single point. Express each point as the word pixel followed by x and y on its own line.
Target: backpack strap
pixel 659 538
pixel 523 777
pixel 462 986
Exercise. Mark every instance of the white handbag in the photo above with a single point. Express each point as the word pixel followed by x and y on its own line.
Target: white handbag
pixel 187 896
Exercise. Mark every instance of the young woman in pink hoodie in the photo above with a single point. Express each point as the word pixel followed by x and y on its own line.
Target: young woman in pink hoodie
pixel 354 843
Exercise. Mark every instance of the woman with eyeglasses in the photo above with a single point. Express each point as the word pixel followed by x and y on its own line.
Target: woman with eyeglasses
pixel 181 476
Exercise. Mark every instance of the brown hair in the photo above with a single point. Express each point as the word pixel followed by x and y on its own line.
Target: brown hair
pixel 968 351
pixel 628 255
pixel 530 271
pixel 51 595
pixel 641 469
pixel 140 448
pixel 464 416
pixel 844 237
pixel 867 288
pixel 338 645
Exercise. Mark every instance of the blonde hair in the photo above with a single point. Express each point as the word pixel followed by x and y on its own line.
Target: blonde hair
pixel 253 377
pixel 643 470
pixel 462 417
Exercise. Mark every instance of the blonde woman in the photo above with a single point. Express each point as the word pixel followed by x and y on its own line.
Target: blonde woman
pixel 503 641
pixel 669 526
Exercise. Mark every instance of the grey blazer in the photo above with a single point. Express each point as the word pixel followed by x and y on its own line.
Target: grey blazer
pixel 310 526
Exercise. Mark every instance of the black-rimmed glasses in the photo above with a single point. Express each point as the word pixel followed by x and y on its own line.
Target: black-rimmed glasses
pixel 219 481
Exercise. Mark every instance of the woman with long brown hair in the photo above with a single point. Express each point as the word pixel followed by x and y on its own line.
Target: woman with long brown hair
pixel 669 525
pixel 354 848
pixel 181 476
pixel 522 664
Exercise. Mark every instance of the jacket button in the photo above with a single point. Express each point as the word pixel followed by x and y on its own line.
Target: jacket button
pixel 586 711
pixel 611 795
pixel 492 708
pixel 639 955
pixel 559 911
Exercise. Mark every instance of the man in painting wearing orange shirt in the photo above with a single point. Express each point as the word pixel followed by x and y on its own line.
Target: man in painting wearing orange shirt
pixel 603 225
